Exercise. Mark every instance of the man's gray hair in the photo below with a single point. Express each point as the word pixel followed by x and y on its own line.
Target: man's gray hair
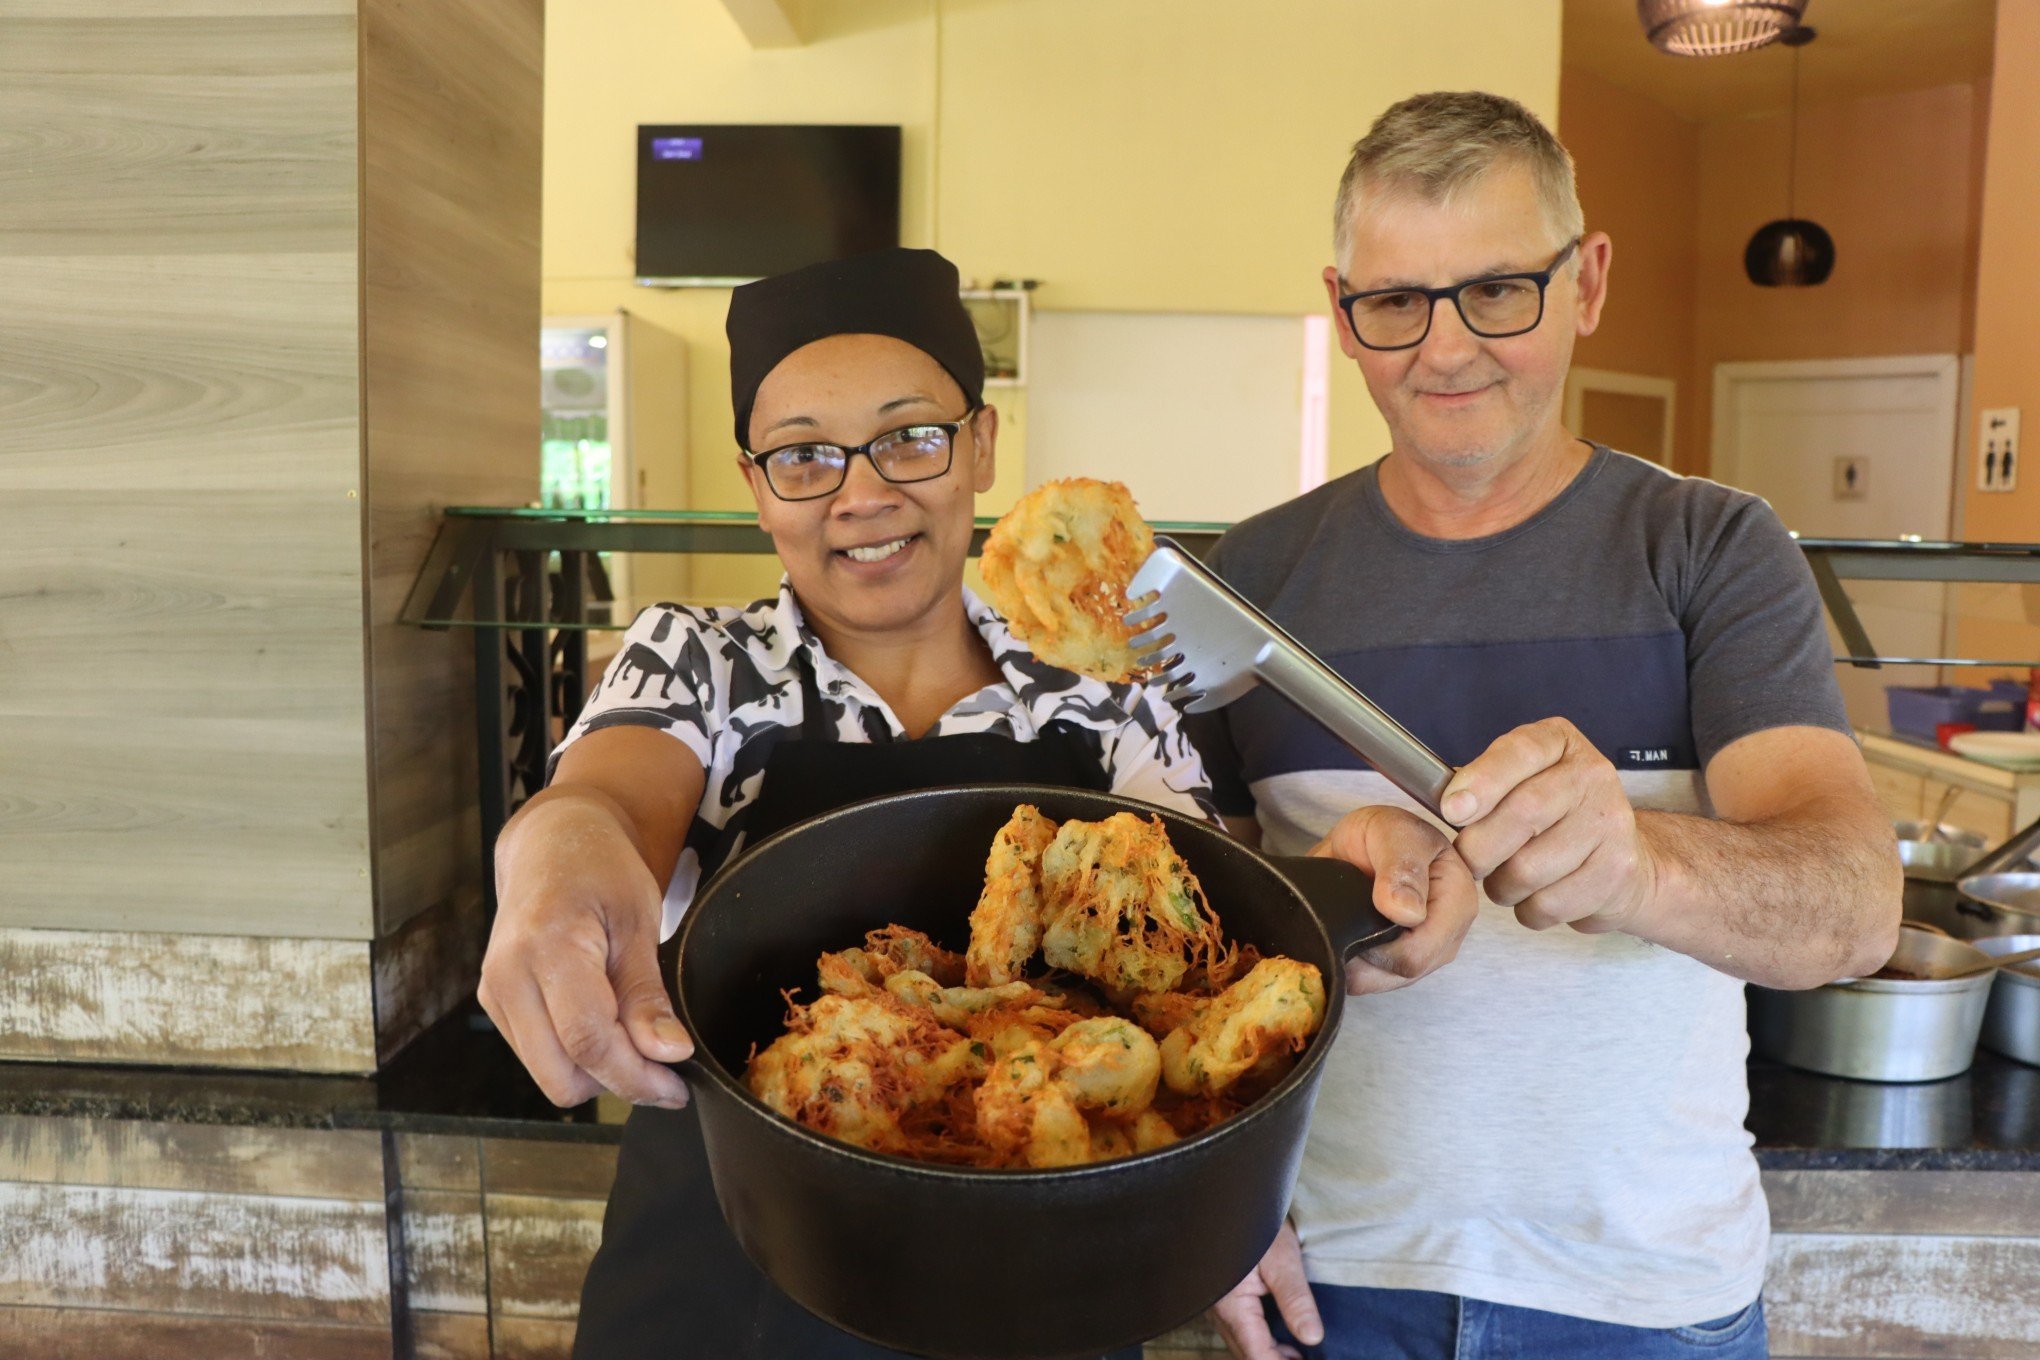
pixel 1433 145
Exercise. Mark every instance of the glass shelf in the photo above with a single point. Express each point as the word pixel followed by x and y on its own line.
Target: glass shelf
pixel 472 536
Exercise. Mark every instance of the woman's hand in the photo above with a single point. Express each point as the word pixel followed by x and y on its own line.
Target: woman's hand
pixel 1239 1316
pixel 571 976
pixel 1419 882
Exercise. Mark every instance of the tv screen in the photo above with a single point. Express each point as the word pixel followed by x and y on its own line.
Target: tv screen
pixel 722 203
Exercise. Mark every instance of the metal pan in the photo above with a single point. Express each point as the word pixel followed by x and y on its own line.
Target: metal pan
pixel 1880 1029
pixel 958 1262
pixel 2000 895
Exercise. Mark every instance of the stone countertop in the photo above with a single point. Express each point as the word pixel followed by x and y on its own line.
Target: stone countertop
pixel 462 1078
pixel 1986 1119
pixel 459 1077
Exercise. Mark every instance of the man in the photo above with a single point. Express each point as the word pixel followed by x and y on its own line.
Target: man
pixel 1540 1151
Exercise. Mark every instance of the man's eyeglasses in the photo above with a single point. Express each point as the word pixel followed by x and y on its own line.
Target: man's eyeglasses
pixel 1494 306
pixel 912 453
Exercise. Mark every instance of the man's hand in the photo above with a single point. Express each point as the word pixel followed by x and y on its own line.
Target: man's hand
pixel 1419 882
pixel 1545 823
pixel 571 976
pixel 1240 1319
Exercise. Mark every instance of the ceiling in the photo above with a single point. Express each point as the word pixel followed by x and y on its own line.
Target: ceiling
pixel 1865 47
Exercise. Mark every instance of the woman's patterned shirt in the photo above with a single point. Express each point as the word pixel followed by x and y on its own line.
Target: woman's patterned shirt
pixel 727 683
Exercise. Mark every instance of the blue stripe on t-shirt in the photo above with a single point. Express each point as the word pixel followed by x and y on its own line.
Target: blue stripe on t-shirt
pixel 1627 694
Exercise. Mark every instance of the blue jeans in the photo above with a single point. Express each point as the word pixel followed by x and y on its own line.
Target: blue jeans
pixel 1410 1324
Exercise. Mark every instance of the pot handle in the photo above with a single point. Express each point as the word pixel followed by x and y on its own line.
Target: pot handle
pixel 1343 898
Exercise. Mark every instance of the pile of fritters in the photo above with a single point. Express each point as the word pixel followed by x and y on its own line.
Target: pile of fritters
pixel 1057 565
pixel 1147 1026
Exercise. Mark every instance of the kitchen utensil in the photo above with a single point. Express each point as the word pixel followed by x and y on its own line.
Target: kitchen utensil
pixel 1215 646
pixel 2000 895
pixel 1880 1029
pixel 959 1262
pixel 1996 961
pixel 1935 830
pixel 2011 1023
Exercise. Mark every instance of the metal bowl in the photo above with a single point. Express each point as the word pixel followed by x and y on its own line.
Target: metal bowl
pixel 1939 859
pixel 1950 834
pixel 1932 864
pixel 1880 1029
pixel 2011 1024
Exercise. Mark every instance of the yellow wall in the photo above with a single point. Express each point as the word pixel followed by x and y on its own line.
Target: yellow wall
pixel 2004 621
pixel 1140 155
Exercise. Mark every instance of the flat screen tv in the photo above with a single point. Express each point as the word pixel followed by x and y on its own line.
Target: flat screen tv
pixel 724 203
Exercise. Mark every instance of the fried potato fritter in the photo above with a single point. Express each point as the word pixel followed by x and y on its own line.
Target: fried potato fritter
pixel 1269 1012
pixel 1123 909
pixel 1024 1112
pixel 1005 927
pixel 1057 566
pixel 861 1069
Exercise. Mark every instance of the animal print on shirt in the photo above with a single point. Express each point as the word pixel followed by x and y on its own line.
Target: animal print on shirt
pixel 727 683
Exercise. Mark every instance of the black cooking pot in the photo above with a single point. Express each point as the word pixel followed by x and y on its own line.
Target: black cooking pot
pixel 977 1264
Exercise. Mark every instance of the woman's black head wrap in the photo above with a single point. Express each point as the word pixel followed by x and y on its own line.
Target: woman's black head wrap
pixel 910 295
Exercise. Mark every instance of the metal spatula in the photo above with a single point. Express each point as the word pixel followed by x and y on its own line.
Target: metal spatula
pixel 1214 646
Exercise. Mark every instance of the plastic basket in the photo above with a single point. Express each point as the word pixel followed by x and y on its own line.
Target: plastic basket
pixel 1916 710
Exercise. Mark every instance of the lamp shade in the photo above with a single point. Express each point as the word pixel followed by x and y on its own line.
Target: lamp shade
pixel 1790 253
pixel 1714 28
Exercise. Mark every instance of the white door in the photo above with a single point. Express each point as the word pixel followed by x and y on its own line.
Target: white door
pixel 1853 448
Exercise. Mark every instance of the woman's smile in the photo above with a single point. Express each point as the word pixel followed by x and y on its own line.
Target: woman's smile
pixel 878 554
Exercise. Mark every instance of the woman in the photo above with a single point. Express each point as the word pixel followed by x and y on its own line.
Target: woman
pixel 858 387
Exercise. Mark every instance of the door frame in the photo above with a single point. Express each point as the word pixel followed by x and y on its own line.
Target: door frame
pixel 1950 371
pixel 1946 369
pixel 1581 381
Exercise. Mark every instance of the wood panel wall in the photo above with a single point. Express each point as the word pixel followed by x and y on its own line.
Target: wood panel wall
pixel 1876 1265
pixel 268 302
pixel 281 1241
pixel 181 708
pixel 450 127
pixel 149 1241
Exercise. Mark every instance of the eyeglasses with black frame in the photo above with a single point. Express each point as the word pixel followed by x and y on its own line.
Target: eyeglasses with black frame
pixel 913 453
pixel 1493 306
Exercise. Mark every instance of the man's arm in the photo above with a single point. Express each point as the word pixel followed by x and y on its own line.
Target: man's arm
pixel 1797 884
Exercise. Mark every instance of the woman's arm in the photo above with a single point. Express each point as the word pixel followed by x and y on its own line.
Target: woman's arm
pixel 571 976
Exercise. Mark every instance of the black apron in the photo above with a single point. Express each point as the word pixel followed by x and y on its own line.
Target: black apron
pixel 670 1281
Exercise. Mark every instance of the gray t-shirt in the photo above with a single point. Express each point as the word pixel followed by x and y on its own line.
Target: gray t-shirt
pixel 1555 1120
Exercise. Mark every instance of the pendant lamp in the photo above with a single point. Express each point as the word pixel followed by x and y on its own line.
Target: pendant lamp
pixel 1791 252
pixel 1714 28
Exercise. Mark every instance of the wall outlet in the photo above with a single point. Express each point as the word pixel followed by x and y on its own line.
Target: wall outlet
pixel 1998 452
pixel 1852 477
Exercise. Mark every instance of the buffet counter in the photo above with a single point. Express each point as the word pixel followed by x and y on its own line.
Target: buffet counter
pixel 446 1204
